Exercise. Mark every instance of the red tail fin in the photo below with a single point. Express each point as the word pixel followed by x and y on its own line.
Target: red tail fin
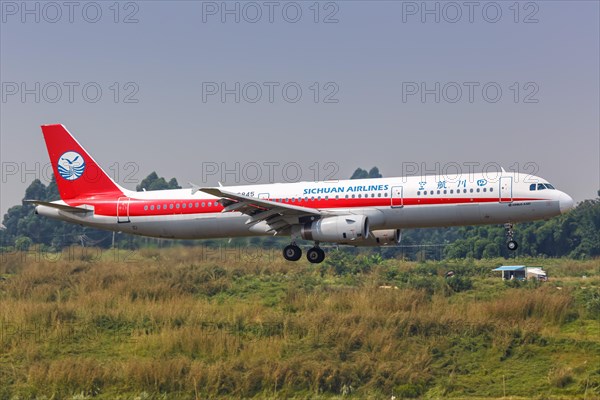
pixel 76 172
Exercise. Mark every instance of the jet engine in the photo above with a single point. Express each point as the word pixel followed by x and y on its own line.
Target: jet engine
pixel 343 229
pixel 382 237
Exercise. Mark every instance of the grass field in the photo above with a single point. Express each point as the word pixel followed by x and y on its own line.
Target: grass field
pixel 235 323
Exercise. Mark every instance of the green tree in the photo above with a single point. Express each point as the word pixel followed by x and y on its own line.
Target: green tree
pixel 154 182
pixel 374 173
pixel 360 173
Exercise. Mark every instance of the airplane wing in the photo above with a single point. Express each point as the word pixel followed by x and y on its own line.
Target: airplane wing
pixel 278 216
pixel 62 207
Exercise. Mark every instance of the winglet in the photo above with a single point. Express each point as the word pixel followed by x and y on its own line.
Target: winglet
pixel 195 187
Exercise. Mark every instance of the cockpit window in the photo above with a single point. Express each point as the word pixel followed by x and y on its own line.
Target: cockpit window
pixel 549 186
pixel 532 186
pixel 541 186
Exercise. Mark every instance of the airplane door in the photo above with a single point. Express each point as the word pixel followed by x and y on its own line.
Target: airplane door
pixel 123 209
pixel 506 189
pixel 397 200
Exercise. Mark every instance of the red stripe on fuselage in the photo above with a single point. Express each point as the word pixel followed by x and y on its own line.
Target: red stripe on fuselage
pixel 139 207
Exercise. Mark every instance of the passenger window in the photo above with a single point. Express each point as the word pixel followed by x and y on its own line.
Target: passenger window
pixel 177 205
pixel 485 189
pixel 190 205
pixel 184 205
pixel 431 192
pixel 151 208
pixel 445 192
pixel 464 190
pixel 197 204
pixel 171 206
pixel 418 193
pixel 158 207
pixel 478 190
pixel 145 208
pixel 491 189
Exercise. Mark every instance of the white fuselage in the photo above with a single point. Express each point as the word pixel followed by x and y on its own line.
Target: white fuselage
pixel 389 203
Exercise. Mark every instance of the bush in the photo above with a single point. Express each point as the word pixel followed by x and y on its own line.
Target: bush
pixel 560 377
pixel 590 299
pixel 459 284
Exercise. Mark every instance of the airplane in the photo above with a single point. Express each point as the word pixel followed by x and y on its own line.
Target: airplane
pixel 362 212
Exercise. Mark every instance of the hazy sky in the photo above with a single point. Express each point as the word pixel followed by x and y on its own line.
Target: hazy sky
pixel 294 90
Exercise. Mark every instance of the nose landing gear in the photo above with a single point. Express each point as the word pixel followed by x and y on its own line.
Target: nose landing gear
pixel 511 243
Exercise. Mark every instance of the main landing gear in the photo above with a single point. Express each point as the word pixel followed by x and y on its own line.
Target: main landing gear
pixel 315 255
pixel 511 243
pixel 292 252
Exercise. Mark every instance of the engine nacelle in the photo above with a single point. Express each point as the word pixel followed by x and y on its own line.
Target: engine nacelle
pixel 343 229
pixel 382 237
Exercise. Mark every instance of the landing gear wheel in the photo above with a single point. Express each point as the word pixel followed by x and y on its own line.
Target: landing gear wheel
pixel 510 234
pixel 292 252
pixel 315 255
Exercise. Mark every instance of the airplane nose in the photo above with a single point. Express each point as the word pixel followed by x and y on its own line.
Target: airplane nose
pixel 566 202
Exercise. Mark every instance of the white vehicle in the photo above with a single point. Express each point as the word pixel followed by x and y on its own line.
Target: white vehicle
pixel 366 212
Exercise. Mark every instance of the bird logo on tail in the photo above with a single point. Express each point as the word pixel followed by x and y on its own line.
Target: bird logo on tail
pixel 71 165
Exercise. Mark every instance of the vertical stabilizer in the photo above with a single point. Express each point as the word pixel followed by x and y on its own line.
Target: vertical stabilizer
pixel 76 172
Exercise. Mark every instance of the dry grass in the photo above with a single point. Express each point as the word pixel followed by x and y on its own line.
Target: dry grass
pixel 185 322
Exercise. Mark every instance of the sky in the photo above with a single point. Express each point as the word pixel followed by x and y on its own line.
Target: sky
pixel 269 91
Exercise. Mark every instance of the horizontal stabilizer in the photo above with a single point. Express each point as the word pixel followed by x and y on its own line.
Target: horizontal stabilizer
pixel 59 206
